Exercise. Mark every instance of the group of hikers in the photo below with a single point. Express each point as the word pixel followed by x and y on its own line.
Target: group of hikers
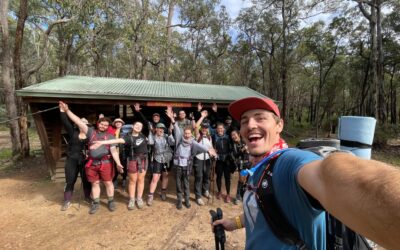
pixel 188 146
pixel 287 192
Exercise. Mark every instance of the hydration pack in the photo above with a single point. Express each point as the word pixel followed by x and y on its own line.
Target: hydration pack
pixel 339 237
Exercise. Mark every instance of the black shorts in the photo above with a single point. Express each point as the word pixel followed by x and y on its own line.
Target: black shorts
pixel 158 168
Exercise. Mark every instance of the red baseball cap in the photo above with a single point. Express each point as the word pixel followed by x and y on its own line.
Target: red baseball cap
pixel 237 108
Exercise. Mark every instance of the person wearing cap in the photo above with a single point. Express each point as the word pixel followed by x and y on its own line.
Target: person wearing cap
pixel 202 161
pixel 363 194
pixel 185 148
pixel 162 155
pixel 75 161
pixel 99 166
pixel 117 124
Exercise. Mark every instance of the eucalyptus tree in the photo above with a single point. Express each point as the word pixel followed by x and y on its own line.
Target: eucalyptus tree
pixel 391 48
pixel 324 45
pixel 218 43
pixel 262 31
pixel 374 17
pixel 286 13
pixel 9 94
pixel 23 71
pixel 143 41
pixel 197 19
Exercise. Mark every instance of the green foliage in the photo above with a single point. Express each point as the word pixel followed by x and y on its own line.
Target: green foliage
pixel 387 156
pixel 5 154
pixel 293 133
pixel 327 62
pixel 385 132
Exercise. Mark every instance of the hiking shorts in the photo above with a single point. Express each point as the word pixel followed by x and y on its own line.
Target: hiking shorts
pixel 139 165
pixel 158 168
pixel 101 172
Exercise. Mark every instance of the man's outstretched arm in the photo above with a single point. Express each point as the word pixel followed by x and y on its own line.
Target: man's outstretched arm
pixel 363 194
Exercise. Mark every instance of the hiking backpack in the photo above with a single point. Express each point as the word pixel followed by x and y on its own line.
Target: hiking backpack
pixel 338 236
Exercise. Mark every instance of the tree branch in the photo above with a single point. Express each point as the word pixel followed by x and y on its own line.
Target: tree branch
pixel 363 11
pixel 39 64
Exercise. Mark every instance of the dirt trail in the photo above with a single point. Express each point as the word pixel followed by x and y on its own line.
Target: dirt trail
pixel 31 218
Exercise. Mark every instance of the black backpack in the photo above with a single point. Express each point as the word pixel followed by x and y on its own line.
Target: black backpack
pixel 339 237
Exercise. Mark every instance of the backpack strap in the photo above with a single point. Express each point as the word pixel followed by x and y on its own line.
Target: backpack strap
pixel 272 212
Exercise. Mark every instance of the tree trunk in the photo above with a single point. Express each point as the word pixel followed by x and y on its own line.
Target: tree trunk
pixel 381 76
pixel 9 94
pixel 284 63
pixel 169 33
pixel 393 98
pixel 19 79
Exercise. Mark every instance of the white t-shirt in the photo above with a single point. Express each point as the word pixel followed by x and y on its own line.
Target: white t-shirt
pixel 206 142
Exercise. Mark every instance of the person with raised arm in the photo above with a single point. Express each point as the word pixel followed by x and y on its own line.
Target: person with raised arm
pixel 99 166
pixel 185 149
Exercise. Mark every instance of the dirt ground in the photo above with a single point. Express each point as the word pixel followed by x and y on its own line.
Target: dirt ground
pixel 31 218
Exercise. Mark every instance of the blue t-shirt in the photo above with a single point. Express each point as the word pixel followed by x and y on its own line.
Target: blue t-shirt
pixel 309 222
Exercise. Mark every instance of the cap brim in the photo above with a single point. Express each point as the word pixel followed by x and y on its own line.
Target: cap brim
pixel 237 108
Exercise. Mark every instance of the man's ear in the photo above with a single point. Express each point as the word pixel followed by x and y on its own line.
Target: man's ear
pixel 280 126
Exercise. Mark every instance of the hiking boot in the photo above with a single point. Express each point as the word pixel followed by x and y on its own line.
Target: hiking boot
pixel 187 203
pixel 200 202
pixel 149 200
pixel 94 207
pixel 164 195
pixel 131 204
pixel 228 198
pixel 207 194
pixel 65 205
pixel 237 200
pixel 219 195
pixel 179 204
pixel 111 206
pixel 139 203
pixel 88 200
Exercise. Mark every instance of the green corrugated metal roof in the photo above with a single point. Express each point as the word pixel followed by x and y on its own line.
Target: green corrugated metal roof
pixel 84 87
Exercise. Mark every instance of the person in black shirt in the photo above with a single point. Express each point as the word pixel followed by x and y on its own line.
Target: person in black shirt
pixel 222 145
pixel 75 160
pixel 98 167
pixel 240 157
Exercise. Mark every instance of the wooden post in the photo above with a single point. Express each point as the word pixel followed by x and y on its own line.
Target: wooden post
pixel 44 140
pixel 124 112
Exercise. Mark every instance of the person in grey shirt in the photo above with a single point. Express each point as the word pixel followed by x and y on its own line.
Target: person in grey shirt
pixel 185 149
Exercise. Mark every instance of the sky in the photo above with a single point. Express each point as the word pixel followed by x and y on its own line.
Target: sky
pixel 234 6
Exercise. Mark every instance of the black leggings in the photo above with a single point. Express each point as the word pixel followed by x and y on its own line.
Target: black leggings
pixel 74 166
pixel 222 168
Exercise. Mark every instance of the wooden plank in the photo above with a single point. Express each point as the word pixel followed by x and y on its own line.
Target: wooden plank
pixel 44 140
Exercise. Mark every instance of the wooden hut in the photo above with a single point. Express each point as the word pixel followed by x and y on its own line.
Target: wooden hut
pixel 90 96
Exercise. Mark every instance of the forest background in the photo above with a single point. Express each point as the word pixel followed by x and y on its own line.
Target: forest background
pixel 319 59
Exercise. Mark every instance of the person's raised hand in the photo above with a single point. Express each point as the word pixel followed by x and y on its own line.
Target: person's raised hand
pixel 137 107
pixel 214 107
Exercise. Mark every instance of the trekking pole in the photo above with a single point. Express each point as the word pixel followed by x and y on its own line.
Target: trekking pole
pixel 213 162
pixel 219 231
pixel 80 194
